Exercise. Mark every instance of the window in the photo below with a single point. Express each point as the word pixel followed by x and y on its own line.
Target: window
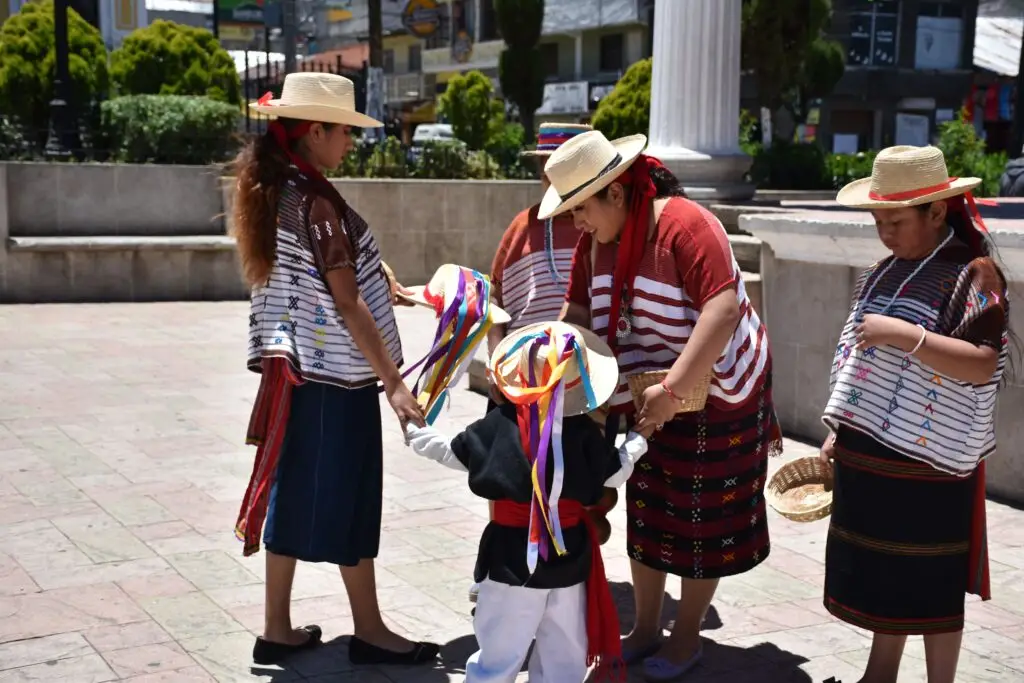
pixel 389 61
pixel 612 52
pixel 940 36
pixel 415 58
pixel 549 58
pixel 874 33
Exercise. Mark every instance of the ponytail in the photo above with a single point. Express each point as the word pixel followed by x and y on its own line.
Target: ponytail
pixel 260 170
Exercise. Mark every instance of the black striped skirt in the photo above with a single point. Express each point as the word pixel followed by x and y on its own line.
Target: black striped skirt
pixel 898 554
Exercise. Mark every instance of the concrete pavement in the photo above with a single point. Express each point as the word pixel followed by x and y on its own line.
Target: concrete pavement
pixel 121 468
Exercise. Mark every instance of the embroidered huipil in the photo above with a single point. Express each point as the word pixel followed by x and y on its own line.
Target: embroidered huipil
pixel 687 261
pixel 293 316
pixel 895 398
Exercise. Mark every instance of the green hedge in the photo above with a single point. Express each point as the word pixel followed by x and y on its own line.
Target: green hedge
pixel 169 129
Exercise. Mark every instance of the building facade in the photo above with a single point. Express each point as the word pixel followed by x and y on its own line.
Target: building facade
pixel 909 67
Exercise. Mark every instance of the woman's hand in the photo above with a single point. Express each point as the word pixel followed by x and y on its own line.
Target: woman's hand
pixel 828 449
pixel 881 330
pixel 657 409
pixel 405 406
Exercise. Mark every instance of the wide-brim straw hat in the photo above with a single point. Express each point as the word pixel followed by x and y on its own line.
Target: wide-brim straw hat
pixel 585 165
pixel 320 97
pixel 445 283
pixel 598 363
pixel 551 136
pixel 905 176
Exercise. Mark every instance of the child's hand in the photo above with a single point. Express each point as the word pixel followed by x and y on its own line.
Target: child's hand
pixel 433 445
pixel 630 452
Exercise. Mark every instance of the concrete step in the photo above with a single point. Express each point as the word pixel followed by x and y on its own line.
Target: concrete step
pixel 120 268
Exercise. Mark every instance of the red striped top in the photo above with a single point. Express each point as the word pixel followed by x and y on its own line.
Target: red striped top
pixel 688 260
pixel 530 282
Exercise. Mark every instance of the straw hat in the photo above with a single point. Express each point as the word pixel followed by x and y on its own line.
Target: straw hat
pixel 445 284
pixel 585 165
pixel 551 135
pixel 598 361
pixel 905 176
pixel 320 97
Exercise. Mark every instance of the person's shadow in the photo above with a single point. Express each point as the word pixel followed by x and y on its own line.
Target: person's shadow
pixel 762 663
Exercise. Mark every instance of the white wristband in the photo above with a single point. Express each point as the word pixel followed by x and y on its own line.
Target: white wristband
pixel 920 342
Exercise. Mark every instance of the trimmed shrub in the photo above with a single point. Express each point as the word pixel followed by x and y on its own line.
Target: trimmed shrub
pixel 626 110
pixel 169 129
pixel 27 63
pixel 166 58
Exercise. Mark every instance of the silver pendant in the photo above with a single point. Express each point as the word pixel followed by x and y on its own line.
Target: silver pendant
pixel 623 328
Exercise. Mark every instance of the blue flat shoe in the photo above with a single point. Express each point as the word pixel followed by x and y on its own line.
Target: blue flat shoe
pixel 631 657
pixel 660 670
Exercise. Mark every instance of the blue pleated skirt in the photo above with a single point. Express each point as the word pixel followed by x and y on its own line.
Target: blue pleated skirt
pixel 325 503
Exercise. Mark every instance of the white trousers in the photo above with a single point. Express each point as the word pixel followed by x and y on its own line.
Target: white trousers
pixel 509 618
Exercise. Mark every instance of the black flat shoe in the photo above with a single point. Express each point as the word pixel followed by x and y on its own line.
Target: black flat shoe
pixel 269 652
pixel 362 653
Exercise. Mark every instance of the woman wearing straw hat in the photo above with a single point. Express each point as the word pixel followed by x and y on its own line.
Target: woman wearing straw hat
pixel 655 275
pixel 322 333
pixel 530 270
pixel 912 415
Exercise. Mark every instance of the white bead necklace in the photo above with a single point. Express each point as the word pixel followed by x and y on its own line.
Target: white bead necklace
pixel 899 290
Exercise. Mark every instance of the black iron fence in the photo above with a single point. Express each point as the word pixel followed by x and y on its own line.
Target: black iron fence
pixel 265 75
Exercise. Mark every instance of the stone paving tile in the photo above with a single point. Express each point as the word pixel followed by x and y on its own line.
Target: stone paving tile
pixel 120 475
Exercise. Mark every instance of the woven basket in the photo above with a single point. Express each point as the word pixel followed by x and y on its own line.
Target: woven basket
pixel 802 490
pixel 692 402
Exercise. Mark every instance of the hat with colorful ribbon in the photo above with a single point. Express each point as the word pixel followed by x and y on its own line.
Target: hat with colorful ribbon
pixel 549 371
pixel 905 176
pixel 461 300
pixel 551 135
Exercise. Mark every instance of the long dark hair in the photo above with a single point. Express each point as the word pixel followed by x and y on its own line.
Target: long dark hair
pixel 665 183
pixel 261 169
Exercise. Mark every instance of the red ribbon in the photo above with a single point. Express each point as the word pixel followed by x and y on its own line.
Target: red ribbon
pixel 972 204
pixel 634 237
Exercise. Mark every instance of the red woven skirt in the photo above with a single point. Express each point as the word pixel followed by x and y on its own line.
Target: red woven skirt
pixel 695 503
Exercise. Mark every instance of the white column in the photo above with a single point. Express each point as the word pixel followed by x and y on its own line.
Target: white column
pixel 695 96
pixel 578 57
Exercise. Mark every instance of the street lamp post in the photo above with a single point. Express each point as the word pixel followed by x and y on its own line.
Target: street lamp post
pixel 62 141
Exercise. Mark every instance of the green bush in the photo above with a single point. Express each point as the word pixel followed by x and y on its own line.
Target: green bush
pixel 166 58
pixel 388 160
pixel 442 160
pixel 966 157
pixel 27 63
pixel 469 105
pixel 169 129
pixel 791 166
pixel 626 110
pixel 845 168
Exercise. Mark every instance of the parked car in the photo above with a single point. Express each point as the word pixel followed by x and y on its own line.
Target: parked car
pixel 431 132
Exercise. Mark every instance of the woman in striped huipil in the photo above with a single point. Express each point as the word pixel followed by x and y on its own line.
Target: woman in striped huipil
pixel 654 273
pixel 322 334
pixel 911 415
pixel 530 271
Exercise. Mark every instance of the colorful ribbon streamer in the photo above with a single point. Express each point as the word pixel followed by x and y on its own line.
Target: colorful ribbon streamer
pixel 540 403
pixel 460 329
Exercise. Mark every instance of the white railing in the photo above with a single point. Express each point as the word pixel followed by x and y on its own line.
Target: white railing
pixel 403 87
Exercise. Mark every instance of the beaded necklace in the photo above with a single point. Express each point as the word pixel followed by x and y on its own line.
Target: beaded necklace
pixel 549 249
pixel 906 281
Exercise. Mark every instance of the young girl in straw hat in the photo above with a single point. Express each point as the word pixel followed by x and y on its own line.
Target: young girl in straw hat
pixel 654 274
pixel 541 459
pixel 912 415
pixel 322 333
